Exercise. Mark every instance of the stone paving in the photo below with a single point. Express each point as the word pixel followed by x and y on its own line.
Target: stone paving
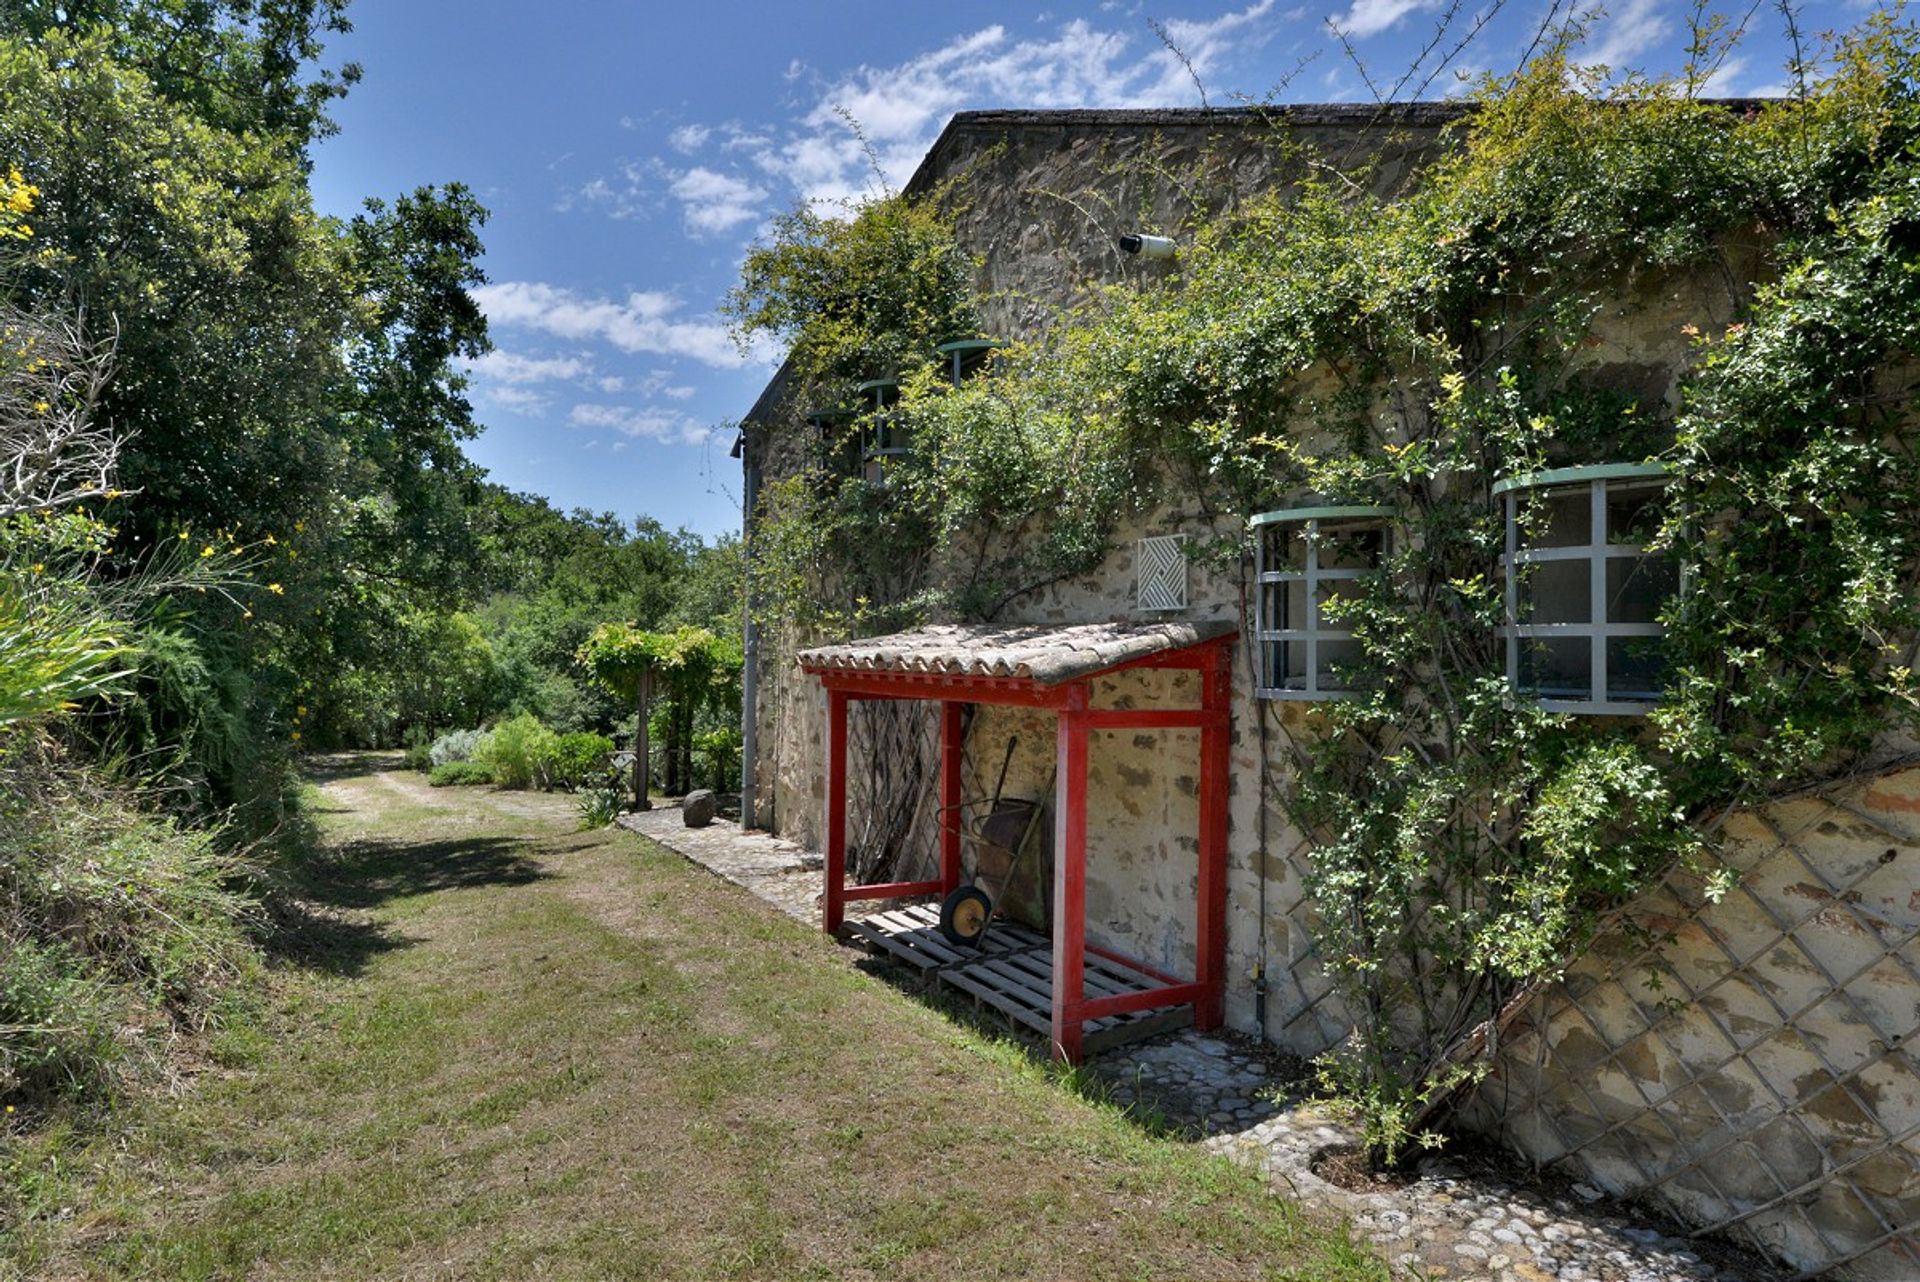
pixel 1446 1223
pixel 1224 1091
pixel 780 872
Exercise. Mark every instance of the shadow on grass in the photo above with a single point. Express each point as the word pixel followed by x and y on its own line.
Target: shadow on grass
pixel 368 873
pixel 323 921
pixel 314 936
pixel 328 767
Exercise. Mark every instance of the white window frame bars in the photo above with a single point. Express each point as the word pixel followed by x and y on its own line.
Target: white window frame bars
pixel 1266 632
pixel 883 437
pixel 1597 551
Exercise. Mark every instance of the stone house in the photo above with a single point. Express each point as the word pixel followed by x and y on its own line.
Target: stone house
pixel 1774 1099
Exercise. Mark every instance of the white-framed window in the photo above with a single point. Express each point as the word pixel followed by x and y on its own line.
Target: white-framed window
pixel 884 439
pixel 834 439
pixel 1305 558
pixel 966 357
pixel 1583 593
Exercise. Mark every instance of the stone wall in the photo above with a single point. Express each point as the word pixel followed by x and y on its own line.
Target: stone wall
pixel 1764 1088
pixel 1041 200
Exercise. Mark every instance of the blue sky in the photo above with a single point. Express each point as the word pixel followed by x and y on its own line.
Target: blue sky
pixel 631 152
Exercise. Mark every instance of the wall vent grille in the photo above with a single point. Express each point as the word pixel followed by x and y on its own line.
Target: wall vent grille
pixel 1162 583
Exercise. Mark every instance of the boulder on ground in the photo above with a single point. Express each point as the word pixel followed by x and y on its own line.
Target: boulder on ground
pixel 698 810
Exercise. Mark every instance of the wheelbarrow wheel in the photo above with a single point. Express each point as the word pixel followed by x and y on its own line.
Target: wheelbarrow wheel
pixel 964 913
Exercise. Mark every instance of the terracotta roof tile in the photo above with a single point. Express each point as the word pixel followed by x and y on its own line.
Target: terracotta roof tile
pixel 1041 654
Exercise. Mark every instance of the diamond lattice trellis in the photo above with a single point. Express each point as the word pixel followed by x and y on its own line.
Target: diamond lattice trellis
pixel 1162 584
pixel 1744 1058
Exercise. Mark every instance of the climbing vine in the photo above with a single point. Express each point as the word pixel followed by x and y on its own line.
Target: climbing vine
pixel 1410 349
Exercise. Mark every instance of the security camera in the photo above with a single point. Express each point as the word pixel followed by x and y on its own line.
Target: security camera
pixel 1147 246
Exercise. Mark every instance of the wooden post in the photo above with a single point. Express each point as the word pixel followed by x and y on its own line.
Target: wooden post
pixel 1210 935
pixel 640 772
pixel 835 900
pixel 952 745
pixel 1070 878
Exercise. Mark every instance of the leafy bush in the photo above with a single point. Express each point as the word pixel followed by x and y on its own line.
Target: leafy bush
pixel 455 745
pixel 459 773
pixel 718 751
pixel 117 927
pixel 59 1021
pixel 51 653
pixel 514 750
pixel 572 761
pixel 599 807
pixel 419 745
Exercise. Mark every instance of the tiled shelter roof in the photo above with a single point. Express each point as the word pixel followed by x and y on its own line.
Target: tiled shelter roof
pixel 1045 655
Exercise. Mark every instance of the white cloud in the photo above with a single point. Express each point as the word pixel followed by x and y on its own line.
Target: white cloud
pixel 712 203
pixel 632 191
pixel 611 384
pixel 509 367
pixel 645 321
pixel 1370 17
pixel 1620 38
pixel 520 400
pixel 1205 45
pixel 659 382
pixel 1719 84
pixel 871 126
pixel 669 426
pixel 899 109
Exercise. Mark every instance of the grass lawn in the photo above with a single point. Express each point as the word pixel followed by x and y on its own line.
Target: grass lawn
pixel 504 1049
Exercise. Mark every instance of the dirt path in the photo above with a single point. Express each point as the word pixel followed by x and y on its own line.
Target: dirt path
pixel 505 1049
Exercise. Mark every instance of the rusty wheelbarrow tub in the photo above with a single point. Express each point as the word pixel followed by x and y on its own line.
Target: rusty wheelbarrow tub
pixel 1012 867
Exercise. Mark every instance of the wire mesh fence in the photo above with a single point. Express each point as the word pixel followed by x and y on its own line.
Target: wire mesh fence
pixel 893 771
pixel 1749 1063
pixel 1304 1011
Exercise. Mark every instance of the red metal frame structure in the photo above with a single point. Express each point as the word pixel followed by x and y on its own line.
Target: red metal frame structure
pixel 1077 722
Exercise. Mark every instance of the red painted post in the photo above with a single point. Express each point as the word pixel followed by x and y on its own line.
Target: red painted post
pixel 1210 936
pixel 952 744
pixel 1070 878
pixel 836 862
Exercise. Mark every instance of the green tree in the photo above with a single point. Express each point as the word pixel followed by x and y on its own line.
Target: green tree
pixel 811 287
pixel 240 65
pixel 691 668
pixel 413 266
pixel 623 658
pixel 286 380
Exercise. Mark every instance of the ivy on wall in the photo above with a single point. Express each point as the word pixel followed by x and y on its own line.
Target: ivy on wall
pixel 1410 351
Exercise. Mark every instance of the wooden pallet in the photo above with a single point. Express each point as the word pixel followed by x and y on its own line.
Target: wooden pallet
pixel 1012 972
pixel 912 934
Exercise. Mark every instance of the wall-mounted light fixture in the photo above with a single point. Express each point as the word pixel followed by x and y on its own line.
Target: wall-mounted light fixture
pixel 1146 246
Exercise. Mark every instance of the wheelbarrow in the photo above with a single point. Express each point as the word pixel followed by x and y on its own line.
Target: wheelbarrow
pixel 1002 839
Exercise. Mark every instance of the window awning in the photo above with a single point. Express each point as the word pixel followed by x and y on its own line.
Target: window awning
pixel 1041 655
